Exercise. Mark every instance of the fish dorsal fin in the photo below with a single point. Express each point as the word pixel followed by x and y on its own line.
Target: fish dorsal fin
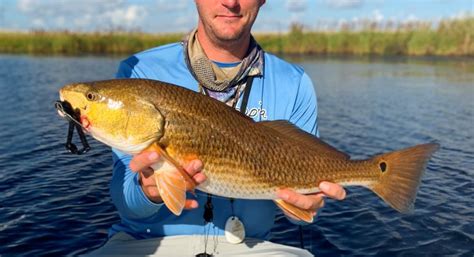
pixel 288 129
pixel 172 180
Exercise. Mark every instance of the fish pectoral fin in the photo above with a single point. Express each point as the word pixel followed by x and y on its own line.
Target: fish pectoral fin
pixel 190 184
pixel 171 186
pixel 297 212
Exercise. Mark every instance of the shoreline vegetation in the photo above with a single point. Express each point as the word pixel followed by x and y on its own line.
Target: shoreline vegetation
pixel 447 38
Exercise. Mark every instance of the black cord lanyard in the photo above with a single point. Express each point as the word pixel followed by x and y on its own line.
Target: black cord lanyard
pixel 245 99
pixel 208 214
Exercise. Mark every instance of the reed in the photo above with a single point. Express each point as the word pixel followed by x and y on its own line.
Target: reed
pixel 69 43
pixel 448 38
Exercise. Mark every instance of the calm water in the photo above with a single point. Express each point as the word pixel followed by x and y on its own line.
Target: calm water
pixel 53 203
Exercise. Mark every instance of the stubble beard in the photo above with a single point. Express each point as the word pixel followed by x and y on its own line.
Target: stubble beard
pixel 225 39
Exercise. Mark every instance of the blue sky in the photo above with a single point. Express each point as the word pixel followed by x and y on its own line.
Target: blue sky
pixel 162 16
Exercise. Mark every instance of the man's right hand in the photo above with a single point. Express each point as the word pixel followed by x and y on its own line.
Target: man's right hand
pixel 141 163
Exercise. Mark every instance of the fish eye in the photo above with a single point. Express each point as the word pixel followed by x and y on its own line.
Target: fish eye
pixel 91 96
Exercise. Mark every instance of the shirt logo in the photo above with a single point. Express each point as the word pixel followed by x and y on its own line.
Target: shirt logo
pixel 257 112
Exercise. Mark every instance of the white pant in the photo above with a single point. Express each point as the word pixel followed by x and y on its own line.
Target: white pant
pixel 125 245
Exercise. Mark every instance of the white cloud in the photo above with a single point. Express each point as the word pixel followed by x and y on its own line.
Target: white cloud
pixel 344 3
pixel 296 5
pixel 25 5
pixel 411 18
pixel 82 15
pixel 38 22
pixel 176 6
pixel 377 16
pixel 60 21
pixel 463 14
pixel 128 15
pixel 184 23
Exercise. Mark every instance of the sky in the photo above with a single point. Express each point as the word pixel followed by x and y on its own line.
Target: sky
pixel 164 16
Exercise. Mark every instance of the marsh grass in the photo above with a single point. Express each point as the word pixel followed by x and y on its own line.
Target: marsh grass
pixel 69 43
pixel 448 38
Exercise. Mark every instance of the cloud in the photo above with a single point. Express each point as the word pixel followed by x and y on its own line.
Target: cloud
pixel 296 5
pixel 464 14
pixel 411 18
pixel 344 4
pixel 184 24
pixel 377 16
pixel 177 6
pixel 82 15
pixel 38 22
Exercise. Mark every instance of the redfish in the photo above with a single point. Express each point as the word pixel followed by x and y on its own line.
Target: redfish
pixel 241 158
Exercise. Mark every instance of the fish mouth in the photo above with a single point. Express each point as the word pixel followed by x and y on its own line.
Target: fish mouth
pixel 66 111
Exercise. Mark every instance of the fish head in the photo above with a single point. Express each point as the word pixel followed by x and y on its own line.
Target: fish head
pixel 114 114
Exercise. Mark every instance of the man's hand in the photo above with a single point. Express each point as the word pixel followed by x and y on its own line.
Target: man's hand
pixel 312 202
pixel 141 163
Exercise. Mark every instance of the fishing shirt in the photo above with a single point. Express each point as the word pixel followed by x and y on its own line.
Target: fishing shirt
pixel 282 92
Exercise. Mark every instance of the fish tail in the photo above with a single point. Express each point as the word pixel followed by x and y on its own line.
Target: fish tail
pixel 401 173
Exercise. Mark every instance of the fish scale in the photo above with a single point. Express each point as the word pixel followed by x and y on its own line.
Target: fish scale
pixel 275 156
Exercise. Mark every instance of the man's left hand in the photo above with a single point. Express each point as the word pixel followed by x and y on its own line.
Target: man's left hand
pixel 312 202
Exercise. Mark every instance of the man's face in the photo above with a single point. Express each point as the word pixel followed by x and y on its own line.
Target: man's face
pixel 227 20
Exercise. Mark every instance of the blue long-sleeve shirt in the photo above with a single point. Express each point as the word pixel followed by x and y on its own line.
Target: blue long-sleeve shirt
pixel 283 92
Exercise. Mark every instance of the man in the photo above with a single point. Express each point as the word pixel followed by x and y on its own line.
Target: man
pixel 217 59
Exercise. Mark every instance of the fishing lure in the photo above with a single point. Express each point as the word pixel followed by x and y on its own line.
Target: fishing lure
pixel 65 109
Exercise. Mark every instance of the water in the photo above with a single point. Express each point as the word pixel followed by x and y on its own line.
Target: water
pixel 53 203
